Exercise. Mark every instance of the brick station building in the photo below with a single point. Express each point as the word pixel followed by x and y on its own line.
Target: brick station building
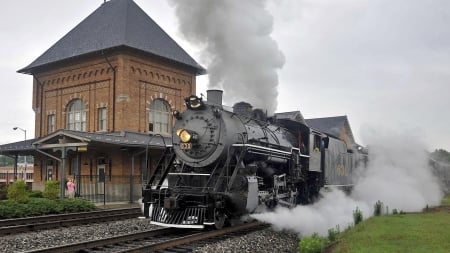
pixel 102 97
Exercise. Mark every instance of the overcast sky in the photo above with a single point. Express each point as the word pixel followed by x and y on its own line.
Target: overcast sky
pixel 383 63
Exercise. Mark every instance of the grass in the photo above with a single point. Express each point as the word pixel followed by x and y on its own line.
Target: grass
pixel 412 232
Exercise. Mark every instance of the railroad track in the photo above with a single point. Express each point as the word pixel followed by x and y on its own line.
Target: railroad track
pixel 155 240
pixel 14 226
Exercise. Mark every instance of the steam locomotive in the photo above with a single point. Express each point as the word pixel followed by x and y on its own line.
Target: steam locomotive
pixel 223 165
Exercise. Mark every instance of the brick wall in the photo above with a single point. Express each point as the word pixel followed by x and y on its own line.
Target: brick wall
pixel 126 94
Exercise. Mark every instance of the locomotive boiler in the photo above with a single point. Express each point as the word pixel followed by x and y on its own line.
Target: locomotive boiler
pixel 224 164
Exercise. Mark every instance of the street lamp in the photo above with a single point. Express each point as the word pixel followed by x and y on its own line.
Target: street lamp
pixel 25 132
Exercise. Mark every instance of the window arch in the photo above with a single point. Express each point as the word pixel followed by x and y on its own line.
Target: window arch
pixel 159 117
pixel 76 115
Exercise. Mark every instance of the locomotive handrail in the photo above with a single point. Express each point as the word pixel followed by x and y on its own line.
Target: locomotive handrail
pixel 299 152
pixel 262 148
pixel 275 151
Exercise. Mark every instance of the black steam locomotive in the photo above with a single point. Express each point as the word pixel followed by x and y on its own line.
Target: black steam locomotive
pixel 225 164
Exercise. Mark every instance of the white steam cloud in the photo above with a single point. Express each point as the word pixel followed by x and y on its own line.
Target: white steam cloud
pixel 242 57
pixel 397 174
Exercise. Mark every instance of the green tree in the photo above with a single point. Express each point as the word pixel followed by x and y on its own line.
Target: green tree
pixel 6 161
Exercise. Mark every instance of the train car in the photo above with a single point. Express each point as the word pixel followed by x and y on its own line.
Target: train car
pixel 224 164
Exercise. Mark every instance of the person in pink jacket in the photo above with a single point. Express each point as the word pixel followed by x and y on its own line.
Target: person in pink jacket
pixel 71 188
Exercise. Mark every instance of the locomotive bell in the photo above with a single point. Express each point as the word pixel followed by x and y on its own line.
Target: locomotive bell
pixel 193 102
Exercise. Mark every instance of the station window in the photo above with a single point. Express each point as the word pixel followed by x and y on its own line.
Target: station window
pixel 102 119
pixel 159 117
pixel 76 116
pixel 51 123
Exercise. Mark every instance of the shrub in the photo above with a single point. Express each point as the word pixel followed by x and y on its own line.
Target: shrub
pixel 75 205
pixel 11 209
pixel 51 190
pixel 378 208
pixel 357 216
pixel 312 244
pixel 35 194
pixel 3 191
pixel 17 191
pixel 394 211
pixel 41 206
pixel 333 233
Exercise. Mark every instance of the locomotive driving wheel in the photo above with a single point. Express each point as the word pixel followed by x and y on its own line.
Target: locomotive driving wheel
pixel 219 218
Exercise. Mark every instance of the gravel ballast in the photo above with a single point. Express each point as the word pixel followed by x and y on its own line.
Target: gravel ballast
pixel 261 241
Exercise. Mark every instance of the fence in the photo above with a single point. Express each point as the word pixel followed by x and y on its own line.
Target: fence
pixel 7 174
pixel 109 189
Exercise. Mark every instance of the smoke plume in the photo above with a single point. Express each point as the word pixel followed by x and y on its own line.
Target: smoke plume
pixel 241 56
pixel 397 174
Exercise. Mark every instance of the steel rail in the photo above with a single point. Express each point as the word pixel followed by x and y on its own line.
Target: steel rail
pixel 14 226
pixel 149 241
pixel 189 239
pixel 75 247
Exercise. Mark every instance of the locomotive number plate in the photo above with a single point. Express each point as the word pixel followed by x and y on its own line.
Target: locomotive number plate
pixel 185 145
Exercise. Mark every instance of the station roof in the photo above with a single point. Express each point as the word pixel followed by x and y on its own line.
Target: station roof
pixel 126 139
pixel 115 24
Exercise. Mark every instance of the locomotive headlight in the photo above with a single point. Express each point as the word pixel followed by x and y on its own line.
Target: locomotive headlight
pixel 187 135
pixel 184 135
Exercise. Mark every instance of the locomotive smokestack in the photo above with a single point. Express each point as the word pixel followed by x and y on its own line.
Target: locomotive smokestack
pixel 214 96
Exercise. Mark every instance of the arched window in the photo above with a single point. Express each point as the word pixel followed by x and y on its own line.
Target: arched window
pixel 159 118
pixel 76 115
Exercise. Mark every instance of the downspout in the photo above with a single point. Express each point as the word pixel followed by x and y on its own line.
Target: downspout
pixel 113 106
pixel 132 178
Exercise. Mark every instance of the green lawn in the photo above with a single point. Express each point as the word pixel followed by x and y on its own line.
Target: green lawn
pixel 414 232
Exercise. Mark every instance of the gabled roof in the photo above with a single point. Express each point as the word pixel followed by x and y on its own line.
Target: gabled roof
pixel 331 125
pixel 115 24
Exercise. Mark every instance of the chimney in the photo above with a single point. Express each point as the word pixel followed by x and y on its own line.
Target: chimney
pixel 214 97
